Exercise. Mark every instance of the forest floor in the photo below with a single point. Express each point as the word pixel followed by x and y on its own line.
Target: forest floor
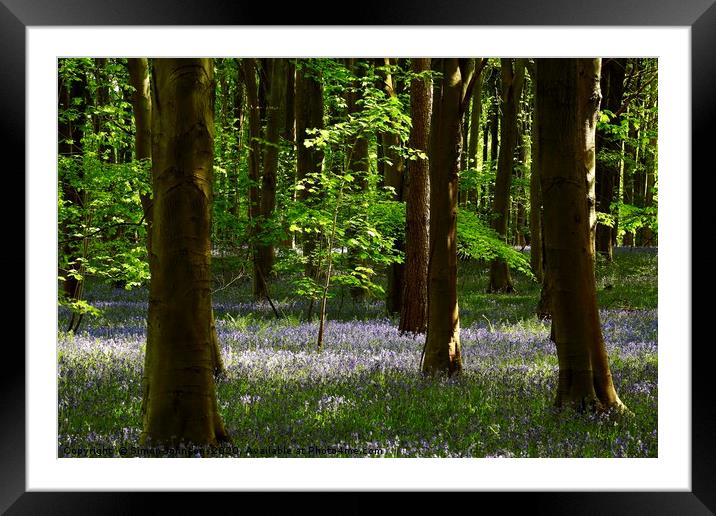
pixel 362 394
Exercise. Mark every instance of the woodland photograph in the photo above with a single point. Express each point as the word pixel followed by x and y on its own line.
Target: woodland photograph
pixel 364 257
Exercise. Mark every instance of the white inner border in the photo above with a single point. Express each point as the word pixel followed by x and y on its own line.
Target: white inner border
pixel 670 471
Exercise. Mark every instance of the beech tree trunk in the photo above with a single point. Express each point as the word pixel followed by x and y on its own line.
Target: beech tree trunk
pixel 142 108
pixel 475 116
pixel 275 121
pixel 358 163
pixel 413 315
pixel 535 192
pixel 469 67
pixel 309 115
pixel 289 130
pixel 635 179
pixel 486 137
pixel 69 144
pixel 495 119
pixel 629 181
pixel 607 170
pixel 239 116
pixel 648 237
pixel 393 174
pixel 519 204
pixel 567 102
pixel 589 71
pixel 254 167
pixel 263 75
pixel 179 392
pixel 442 342
pixel 644 235
pixel 512 81
pixel 105 151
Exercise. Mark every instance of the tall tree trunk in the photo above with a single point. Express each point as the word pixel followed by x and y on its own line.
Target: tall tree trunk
pixel 70 134
pixel 617 196
pixel 648 237
pixel 647 177
pixel 289 130
pixel 486 136
pixel 359 156
pixel 358 163
pixel 495 118
pixel 142 108
pixel 475 117
pixel 568 99
pixel 631 163
pixel 275 120
pixel 179 392
pixel 485 190
pixel 263 74
pixel 239 114
pixel 607 171
pixel 465 131
pixel 638 177
pixel 520 215
pixel 393 174
pixel 494 137
pixel 512 81
pixel 309 115
pixel 108 152
pixel 470 67
pixel 589 74
pixel 222 181
pixel 413 316
pixel 254 167
pixel 105 151
pixel 442 342
pixel 535 192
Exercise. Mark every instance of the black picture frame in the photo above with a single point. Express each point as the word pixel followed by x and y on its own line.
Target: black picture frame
pixel 16 15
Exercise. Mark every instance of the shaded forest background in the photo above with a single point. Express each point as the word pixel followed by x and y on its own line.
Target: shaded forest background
pixel 261 200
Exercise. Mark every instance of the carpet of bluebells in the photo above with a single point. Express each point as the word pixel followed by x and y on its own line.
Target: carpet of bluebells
pixel 362 395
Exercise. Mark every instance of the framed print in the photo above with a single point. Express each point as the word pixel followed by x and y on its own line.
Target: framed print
pixel 680 36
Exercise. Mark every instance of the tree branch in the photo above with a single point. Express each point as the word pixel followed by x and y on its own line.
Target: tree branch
pixel 631 97
pixel 105 228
